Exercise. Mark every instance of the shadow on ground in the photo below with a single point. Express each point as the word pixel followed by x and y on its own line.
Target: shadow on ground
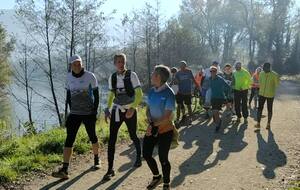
pixel 203 136
pixel 269 154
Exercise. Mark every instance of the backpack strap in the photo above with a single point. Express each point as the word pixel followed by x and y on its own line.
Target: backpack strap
pixel 114 82
pixel 128 84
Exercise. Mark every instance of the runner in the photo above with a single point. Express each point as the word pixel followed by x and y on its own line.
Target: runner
pixel 173 84
pixel 255 87
pixel 206 92
pixel 219 93
pixel 268 81
pixel 184 79
pixel 228 77
pixel 242 82
pixel 124 96
pixel 199 77
pixel 161 104
pixel 83 99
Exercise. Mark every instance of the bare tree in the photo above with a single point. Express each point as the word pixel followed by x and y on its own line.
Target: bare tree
pixel 44 28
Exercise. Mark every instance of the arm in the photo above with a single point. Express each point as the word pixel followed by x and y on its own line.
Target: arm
pixel 96 99
pixel 137 98
pixel 110 99
pixel 69 98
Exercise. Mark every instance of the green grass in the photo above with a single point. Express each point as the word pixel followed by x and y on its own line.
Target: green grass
pixel 42 151
pixel 295 185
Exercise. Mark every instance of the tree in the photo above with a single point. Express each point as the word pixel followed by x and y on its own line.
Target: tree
pixel 6 47
pixel 44 27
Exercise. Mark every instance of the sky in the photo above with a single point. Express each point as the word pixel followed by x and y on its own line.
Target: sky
pixel 169 7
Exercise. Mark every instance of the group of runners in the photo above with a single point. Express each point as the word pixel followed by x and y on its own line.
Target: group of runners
pixel 216 88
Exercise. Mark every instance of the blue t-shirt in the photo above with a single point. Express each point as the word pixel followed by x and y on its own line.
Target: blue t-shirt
pixel 184 80
pixel 160 100
pixel 219 88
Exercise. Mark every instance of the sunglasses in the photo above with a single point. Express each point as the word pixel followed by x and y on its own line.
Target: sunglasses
pixel 213 71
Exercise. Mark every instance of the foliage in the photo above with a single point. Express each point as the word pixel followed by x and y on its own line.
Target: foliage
pixel 42 151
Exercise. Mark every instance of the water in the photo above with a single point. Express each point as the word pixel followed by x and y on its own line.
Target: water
pixel 43 112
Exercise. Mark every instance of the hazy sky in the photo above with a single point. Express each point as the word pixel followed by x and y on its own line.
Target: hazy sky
pixel 168 7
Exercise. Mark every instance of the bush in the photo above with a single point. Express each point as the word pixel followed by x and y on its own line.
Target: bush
pixel 7 174
pixel 8 148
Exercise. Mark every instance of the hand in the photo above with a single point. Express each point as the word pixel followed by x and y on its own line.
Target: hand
pixel 107 115
pixel 148 132
pixel 130 113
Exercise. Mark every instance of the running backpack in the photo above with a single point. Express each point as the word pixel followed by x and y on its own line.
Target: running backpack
pixel 127 83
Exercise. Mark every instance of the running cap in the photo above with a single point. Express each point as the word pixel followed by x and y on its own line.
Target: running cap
pixel 183 63
pixel 74 58
pixel 213 68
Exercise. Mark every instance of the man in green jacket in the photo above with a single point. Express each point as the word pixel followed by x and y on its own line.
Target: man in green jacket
pixel 268 81
pixel 241 84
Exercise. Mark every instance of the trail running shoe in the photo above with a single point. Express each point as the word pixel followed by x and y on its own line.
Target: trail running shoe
pixel 155 182
pixel 109 174
pixel 138 163
pixel 61 173
pixel 166 186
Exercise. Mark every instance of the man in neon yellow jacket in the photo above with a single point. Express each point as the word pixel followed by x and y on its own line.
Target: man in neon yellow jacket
pixel 125 94
pixel 268 81
pixel 241 84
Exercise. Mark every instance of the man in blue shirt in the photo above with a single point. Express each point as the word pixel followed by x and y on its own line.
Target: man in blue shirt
pixel 219 93
pixel 185 79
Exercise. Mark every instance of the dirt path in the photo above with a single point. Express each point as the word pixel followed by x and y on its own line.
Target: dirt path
pixel 238 158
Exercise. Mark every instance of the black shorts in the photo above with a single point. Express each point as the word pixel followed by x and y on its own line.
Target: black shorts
pixel 216 104
pixel 184 99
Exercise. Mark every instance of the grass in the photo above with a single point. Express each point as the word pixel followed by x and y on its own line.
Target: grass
pixel 42 151
pixel 295 185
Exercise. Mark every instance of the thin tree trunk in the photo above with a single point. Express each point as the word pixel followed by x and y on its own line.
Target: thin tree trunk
pixel 50 74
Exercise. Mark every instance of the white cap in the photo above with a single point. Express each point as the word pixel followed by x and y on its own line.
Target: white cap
pixel 74 58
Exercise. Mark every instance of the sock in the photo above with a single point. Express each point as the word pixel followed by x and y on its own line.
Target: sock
pixel 96 159
pixel 65 166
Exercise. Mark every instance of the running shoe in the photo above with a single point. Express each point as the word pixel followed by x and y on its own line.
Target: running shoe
pixel 166 186
pixel 109 174
pixel 138 163
pixel 155 182
pixel 61 173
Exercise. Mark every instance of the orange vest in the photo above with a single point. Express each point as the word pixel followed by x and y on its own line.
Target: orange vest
pixel 198 78
pixel 255 78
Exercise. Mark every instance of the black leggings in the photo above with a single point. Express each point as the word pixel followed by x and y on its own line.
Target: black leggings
pixel 254 91
pixel 261 102
pixel 73 123
pixel 114 129
pixel 164 142
pixel 240 99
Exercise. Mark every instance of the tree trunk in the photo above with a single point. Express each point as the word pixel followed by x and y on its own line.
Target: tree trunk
pixel 50 74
